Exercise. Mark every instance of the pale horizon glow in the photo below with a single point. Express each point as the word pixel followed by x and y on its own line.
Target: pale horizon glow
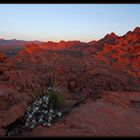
pixel 55 22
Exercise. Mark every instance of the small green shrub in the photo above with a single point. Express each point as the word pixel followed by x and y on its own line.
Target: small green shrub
pixel 56 98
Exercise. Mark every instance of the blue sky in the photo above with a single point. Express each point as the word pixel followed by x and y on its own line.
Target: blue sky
pixel 55 22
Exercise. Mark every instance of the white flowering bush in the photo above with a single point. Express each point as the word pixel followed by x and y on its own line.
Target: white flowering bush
pixel 44 110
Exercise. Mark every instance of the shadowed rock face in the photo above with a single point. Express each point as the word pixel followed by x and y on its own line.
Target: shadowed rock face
pixel 107 71
pixel 2 57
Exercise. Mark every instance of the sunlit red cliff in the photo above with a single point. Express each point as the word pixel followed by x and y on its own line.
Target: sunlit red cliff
pixel 106 73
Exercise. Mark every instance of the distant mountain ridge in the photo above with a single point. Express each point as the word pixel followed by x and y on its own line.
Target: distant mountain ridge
pixel 121 52
pixel 12 47
pixel 15 42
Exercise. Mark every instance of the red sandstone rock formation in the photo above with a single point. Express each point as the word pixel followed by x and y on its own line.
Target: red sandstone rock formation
pixel 108 69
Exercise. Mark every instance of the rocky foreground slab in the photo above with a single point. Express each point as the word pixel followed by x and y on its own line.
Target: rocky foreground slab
pixel 112 115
